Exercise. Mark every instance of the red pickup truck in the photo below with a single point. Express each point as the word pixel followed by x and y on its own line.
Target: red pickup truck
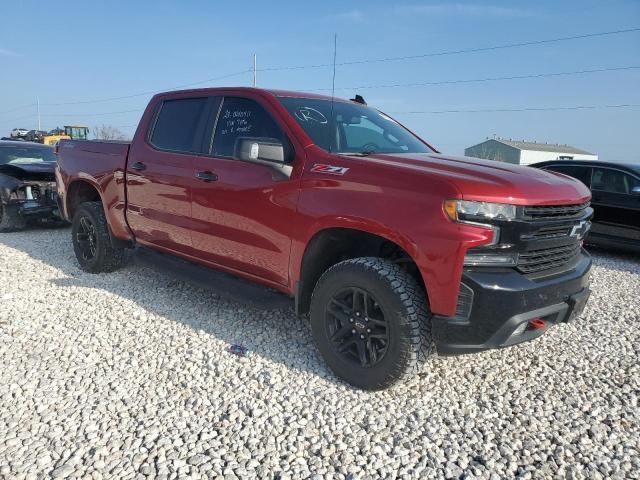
pixel 394 250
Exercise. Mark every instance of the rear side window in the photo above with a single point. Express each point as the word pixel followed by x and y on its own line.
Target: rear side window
pixel 613 181
pixel 581 173
pixel 243 118
pixel 176 126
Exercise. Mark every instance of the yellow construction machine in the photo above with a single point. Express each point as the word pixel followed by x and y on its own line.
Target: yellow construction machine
pixel 77 132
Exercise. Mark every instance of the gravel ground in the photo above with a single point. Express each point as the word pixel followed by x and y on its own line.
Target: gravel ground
pixel 127 375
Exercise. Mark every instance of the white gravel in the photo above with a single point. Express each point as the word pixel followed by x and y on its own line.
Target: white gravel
pixel 127 375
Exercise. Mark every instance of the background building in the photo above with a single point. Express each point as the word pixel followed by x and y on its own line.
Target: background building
pixel 524 153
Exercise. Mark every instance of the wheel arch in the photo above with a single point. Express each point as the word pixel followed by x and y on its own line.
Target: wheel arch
pixel 78 192
pixel 332 244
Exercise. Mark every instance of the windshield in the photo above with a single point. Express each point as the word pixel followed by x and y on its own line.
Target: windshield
pixel 357 129
pixel 17 155
pixel 77 133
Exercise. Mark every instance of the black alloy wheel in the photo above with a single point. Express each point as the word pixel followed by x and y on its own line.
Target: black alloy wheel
pixel 86 239
pixel 92 241
pixel 370 321
pixel 357 327
pixel 10 221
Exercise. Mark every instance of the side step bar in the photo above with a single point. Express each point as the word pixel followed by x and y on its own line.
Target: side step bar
pixel 214 281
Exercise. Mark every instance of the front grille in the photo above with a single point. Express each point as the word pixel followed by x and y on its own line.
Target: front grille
pixel 547 258
pixel 555 211
pixel 550 231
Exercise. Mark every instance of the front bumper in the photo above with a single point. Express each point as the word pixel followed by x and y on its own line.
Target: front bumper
pixel 35 209
pixel 503 303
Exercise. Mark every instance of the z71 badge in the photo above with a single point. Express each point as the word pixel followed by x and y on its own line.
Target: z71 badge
pixel 330 169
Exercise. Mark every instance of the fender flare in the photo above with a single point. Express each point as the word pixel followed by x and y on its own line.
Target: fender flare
pixel 301 246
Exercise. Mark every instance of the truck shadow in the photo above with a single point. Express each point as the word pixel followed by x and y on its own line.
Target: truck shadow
pixel 277 335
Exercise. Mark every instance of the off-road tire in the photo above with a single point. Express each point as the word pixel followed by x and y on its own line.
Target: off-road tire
pixel 406 312
pixel 10 221
pixel 107 258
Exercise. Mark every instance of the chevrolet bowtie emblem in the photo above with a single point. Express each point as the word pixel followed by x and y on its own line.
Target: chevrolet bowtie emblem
pixel 580 230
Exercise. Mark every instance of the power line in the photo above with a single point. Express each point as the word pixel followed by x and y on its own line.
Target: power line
pixel 353 62
pixel 415 84
pixel 91 114
pixel 456 52
pixel 15 109
pixel 150 92
pixel 522 109
pixel 487 79
pixel 491 110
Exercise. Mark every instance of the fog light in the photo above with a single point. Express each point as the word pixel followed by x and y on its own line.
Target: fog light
pixel 485 259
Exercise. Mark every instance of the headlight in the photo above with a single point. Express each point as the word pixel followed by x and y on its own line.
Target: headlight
pixel 19 194
pixel 471 211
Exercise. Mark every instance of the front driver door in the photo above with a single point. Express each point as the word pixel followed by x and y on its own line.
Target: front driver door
pixel 244 215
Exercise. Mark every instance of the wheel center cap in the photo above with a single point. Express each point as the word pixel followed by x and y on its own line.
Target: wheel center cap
pixel 360 325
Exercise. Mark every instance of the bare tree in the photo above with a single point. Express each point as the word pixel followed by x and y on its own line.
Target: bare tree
pixel 106 132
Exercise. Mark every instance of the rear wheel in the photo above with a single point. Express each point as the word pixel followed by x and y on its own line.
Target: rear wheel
pixel 92 242
pixel 10 220
pixel 370 321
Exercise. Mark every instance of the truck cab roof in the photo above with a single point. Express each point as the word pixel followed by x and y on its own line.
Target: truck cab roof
pixel 244 90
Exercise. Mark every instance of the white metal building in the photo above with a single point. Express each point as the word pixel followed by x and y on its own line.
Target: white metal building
pixel 525 153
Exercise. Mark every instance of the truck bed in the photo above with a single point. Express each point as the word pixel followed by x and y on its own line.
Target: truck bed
pixel 101 163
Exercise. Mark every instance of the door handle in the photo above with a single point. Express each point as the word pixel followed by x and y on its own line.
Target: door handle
pixel 139 166
pixel 207 176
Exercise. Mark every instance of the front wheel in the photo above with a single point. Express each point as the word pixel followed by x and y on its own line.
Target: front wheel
pixel 92 242
pixel 370 321
pixel 10 221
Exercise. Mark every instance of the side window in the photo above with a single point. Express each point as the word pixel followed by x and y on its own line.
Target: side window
pixel 613 181
pixel 176 127
pixel 581 173
pixel 243 118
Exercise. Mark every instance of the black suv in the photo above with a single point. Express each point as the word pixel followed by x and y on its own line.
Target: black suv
pixel 616 199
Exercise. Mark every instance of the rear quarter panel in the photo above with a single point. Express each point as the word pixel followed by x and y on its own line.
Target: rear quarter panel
pixel 101 165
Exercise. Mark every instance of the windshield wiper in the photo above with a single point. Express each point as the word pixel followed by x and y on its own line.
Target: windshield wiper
pixel 366 153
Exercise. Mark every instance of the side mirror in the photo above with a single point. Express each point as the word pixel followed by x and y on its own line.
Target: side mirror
pixel 635 191
pixel 260 150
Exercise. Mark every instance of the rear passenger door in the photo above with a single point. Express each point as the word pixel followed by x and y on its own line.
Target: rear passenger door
pixel 616 205
pixel 160 170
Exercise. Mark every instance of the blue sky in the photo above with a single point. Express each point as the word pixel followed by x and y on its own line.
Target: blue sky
pixel 97 49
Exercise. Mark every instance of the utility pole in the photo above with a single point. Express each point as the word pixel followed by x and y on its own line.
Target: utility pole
pixel 333 81
pixel 38 103
pixel 255 68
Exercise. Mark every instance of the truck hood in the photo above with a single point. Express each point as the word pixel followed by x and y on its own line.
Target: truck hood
pixel 41 171
pixel 491 181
